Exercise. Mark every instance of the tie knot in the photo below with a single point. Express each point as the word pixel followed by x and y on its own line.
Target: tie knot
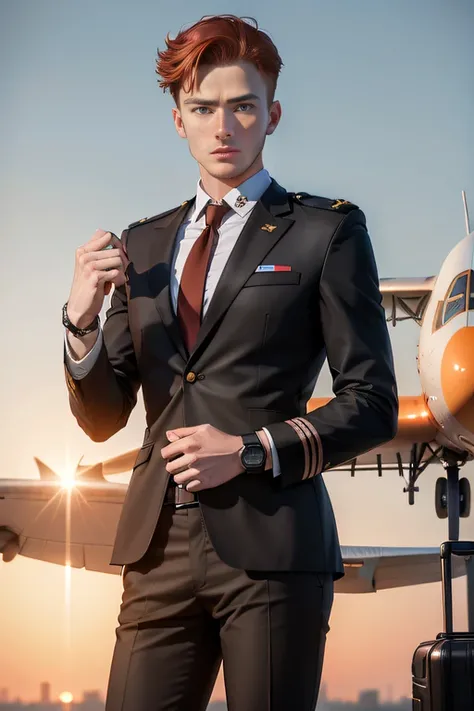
pixel 215 213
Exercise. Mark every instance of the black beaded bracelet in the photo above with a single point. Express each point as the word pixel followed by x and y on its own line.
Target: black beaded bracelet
pixel 78 332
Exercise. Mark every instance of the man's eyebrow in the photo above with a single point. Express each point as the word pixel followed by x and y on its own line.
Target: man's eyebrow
pixel 212 102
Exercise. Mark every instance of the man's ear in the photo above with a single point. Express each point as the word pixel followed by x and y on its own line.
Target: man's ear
pixel 275 116
pixel 178 123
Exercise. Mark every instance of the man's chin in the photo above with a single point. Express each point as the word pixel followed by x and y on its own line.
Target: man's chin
pixel 225 171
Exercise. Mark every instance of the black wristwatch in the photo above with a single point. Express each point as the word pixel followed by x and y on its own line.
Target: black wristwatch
pixel 79 331
pixel 253 454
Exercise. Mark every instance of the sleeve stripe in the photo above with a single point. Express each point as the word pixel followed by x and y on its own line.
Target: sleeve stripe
pixel 318 441
pixel 314 457
pixel 304 442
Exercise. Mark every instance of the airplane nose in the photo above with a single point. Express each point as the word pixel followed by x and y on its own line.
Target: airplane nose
pixel 457 377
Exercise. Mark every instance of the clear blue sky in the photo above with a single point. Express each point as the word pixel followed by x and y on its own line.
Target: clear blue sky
pixel 378 108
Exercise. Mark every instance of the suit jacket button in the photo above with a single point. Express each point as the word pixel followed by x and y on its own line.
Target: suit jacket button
pixel 201 376
pixel 191 377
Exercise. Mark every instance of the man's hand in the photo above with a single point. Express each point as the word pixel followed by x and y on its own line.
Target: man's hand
pixel 203 456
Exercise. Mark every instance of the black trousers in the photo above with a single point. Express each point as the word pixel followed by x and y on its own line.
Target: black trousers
pixel 184 610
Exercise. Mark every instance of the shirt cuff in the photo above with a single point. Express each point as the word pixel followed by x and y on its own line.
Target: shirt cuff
pixel 275 460
pixel 80 368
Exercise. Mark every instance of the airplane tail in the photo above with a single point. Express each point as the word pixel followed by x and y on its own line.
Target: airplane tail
pixel 90 472
pixel 45 472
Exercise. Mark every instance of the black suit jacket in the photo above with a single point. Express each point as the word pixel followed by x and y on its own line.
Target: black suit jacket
pixel 259 351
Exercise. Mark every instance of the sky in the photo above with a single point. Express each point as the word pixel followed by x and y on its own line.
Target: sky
pixel 378 109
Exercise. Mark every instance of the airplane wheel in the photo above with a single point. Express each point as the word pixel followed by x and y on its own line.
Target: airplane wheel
pixel 441 497
pixel 464 497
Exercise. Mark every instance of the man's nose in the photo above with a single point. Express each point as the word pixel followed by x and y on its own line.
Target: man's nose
pixel 224 125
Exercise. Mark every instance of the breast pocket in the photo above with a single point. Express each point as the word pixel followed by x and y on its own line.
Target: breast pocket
pixel 273 278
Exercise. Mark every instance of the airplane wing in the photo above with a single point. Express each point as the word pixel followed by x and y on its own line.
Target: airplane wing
pixel 406 298
pixel 34 523
pixel 372 568
pixel 115 465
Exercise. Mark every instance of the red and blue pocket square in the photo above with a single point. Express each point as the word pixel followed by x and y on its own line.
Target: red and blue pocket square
pixel 273 268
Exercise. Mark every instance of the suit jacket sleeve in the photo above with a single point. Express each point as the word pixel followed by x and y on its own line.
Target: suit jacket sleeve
pixel 102 400
pixel 364 412
pixel 80 368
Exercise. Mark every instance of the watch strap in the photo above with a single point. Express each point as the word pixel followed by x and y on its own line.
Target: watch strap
pixel 251 438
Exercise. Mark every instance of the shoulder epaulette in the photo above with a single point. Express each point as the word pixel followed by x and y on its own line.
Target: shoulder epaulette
pixel 324 203
pixel 157 217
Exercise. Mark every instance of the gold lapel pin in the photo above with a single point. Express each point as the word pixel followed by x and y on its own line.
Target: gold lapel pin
pixel 268 228
pixel 338 203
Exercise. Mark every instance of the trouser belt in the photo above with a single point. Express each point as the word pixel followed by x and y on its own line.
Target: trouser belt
pixel 179 497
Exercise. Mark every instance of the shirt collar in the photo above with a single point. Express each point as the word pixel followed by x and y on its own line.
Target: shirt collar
pixel 241 199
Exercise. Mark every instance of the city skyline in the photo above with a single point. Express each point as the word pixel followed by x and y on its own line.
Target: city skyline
pixel 46 697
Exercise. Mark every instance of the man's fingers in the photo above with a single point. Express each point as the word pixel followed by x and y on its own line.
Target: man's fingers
pixel 181 463
pixel 98 241
pixel 116 243
pixel 194 485
pixel 108 275
pixel 180 446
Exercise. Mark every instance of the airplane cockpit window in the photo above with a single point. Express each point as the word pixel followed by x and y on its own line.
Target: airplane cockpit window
pixel 471 295
pixel 454 302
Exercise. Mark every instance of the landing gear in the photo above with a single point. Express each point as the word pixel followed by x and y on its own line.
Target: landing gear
pixel 441 497
pixel 452 495
pixel 465 497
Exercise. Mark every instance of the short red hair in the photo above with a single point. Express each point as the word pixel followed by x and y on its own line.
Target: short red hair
pixel 216 40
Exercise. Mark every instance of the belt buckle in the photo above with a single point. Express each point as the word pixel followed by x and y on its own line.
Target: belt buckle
pixel 185 494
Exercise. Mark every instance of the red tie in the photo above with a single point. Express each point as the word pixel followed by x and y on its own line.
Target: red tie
pixel 193 278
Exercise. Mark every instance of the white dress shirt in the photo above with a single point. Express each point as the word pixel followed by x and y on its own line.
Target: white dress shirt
pixel 189 231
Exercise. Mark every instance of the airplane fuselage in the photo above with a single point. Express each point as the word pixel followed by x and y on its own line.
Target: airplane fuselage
pixel 446 350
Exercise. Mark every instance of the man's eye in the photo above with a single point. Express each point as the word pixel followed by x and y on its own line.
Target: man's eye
pixel 197 109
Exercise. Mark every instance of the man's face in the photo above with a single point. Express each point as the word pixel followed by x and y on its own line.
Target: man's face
pixel 228 108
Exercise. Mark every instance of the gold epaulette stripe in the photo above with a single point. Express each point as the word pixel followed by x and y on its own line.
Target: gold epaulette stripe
pixel 309 434
pixel 318 441
pixel 304 442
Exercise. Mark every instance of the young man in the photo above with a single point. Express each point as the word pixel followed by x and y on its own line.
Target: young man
pixel 224 309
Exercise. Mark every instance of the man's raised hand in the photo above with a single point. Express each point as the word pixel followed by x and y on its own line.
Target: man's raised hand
pixel 100 262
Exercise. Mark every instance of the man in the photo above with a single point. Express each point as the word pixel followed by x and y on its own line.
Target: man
pixel 223 311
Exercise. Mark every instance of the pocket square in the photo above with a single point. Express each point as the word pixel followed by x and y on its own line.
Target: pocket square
pixel 273 268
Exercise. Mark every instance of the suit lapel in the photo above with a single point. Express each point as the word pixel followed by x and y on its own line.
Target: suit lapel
pixel 252 246
pixel 159 275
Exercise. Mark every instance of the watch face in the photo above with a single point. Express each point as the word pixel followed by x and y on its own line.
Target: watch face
pixel 253 456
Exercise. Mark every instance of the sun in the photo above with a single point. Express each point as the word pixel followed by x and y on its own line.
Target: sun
pixel 66 697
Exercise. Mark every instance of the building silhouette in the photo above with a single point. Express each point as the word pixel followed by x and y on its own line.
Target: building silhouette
pixel 369 700
pixel 45 692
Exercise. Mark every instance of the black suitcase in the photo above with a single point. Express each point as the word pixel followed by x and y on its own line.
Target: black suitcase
pixel 443 669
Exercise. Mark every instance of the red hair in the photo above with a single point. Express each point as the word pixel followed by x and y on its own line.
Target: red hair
pixel 216 40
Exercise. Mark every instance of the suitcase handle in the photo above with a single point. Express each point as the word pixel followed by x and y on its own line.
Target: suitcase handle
pixel 463 548
pixel 448 548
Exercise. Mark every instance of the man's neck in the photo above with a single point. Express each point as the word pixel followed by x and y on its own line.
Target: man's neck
pixel 217 189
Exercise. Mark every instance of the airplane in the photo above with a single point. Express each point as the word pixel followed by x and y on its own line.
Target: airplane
pixel 73 521
pixel 436 426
